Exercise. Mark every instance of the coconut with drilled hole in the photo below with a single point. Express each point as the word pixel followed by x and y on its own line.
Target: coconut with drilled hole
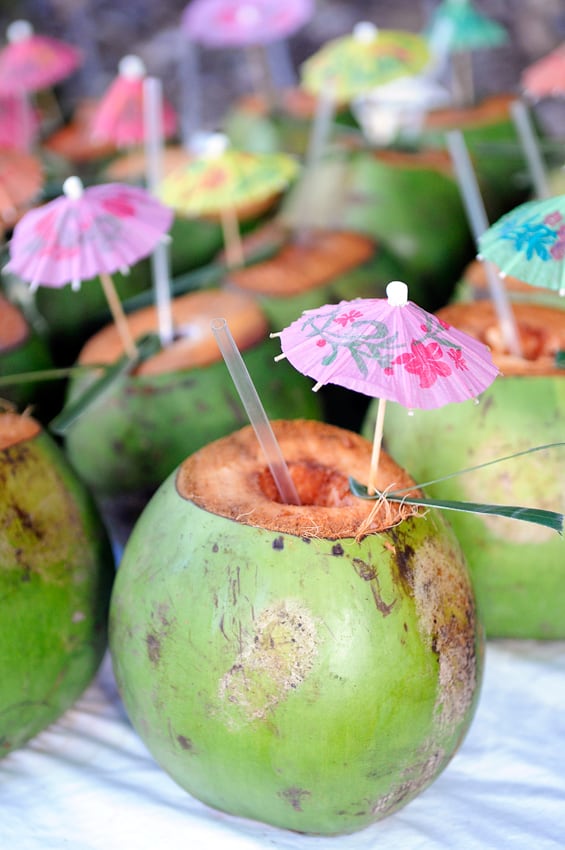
pixel 517 567
pixel 56 574
pixel 311 666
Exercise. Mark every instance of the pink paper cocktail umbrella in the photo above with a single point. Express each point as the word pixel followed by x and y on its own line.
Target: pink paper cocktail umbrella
pixel 119 117
pixel 238 23
pixel 253 25
pixel 86 233
pixel 390 349
pixel 30 62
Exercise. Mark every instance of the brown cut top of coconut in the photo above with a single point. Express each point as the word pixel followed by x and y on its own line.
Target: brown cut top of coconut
pixel 16 428
pixel 194 344
pixel 434 160
pixel 14 329
pixel 231 478
pixel 541 330
pixel 488 111
pixel 300 266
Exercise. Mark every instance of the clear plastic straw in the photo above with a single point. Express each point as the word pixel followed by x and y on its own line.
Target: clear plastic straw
pixel 530 146
pixel 153 133
pixel 478 221
pixel 255 411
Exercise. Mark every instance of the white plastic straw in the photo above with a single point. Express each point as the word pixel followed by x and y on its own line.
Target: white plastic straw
pixel 526 134
pixel 478 221
pixel 153 136
pixel 255 411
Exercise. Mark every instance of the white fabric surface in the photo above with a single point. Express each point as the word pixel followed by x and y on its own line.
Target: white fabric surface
pixel 88 783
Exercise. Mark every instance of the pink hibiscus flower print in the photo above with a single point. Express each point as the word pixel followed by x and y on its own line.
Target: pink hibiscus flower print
pixel 119 206
pixel 426 362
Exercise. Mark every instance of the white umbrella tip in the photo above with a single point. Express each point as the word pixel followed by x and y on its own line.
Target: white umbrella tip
pixel 365 31
pixel 216 144
pixel 131 67
pixel 73 188
pixel 397 293
pixel 19 31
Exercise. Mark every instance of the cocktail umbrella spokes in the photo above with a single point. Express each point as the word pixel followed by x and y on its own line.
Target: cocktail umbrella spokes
pixel 221 181
pixel 86 233
pixel 119 117
pixel 390 349
pixel 529 243
pixel 365 58
pixel 30 63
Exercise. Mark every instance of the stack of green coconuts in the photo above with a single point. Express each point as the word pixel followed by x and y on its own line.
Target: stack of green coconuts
pixel 312 666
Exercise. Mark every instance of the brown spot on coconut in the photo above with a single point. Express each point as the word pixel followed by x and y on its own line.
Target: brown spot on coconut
pixel 308 705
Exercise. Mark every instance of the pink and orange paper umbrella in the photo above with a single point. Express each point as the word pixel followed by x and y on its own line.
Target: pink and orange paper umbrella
pixel 238 23
pixel 88 232
pixel 119 117
pixel 31 62
pixel 390 349
pixel 546 77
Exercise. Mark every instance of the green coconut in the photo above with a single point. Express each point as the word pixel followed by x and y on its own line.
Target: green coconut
pixel 56 574
pixel 21 350
pixel 516 567
pixel 140 429
pixel 252 126
pixel 309 666
pixel 490 136
pixel 408 202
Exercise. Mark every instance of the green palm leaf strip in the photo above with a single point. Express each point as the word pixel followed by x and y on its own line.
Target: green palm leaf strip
pixel 146 347
pixel 539 516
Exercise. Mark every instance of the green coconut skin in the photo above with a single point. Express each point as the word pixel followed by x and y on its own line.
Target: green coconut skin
pixel 135 434
pixel 307 683
pixel 415 213
pixel 497 159
pixel 56 574
pixel 516 567
pixel 31 355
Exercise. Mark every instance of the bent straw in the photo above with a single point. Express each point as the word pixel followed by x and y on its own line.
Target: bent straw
pixel 255 411
pixel 153 141
pixel 478 221
pixel 525 130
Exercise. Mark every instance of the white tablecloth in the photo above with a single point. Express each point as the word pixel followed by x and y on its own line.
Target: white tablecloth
pixel 88 783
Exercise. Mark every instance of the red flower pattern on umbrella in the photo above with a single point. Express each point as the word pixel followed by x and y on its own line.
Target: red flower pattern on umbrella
pixel 388 348
pixel 426 361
